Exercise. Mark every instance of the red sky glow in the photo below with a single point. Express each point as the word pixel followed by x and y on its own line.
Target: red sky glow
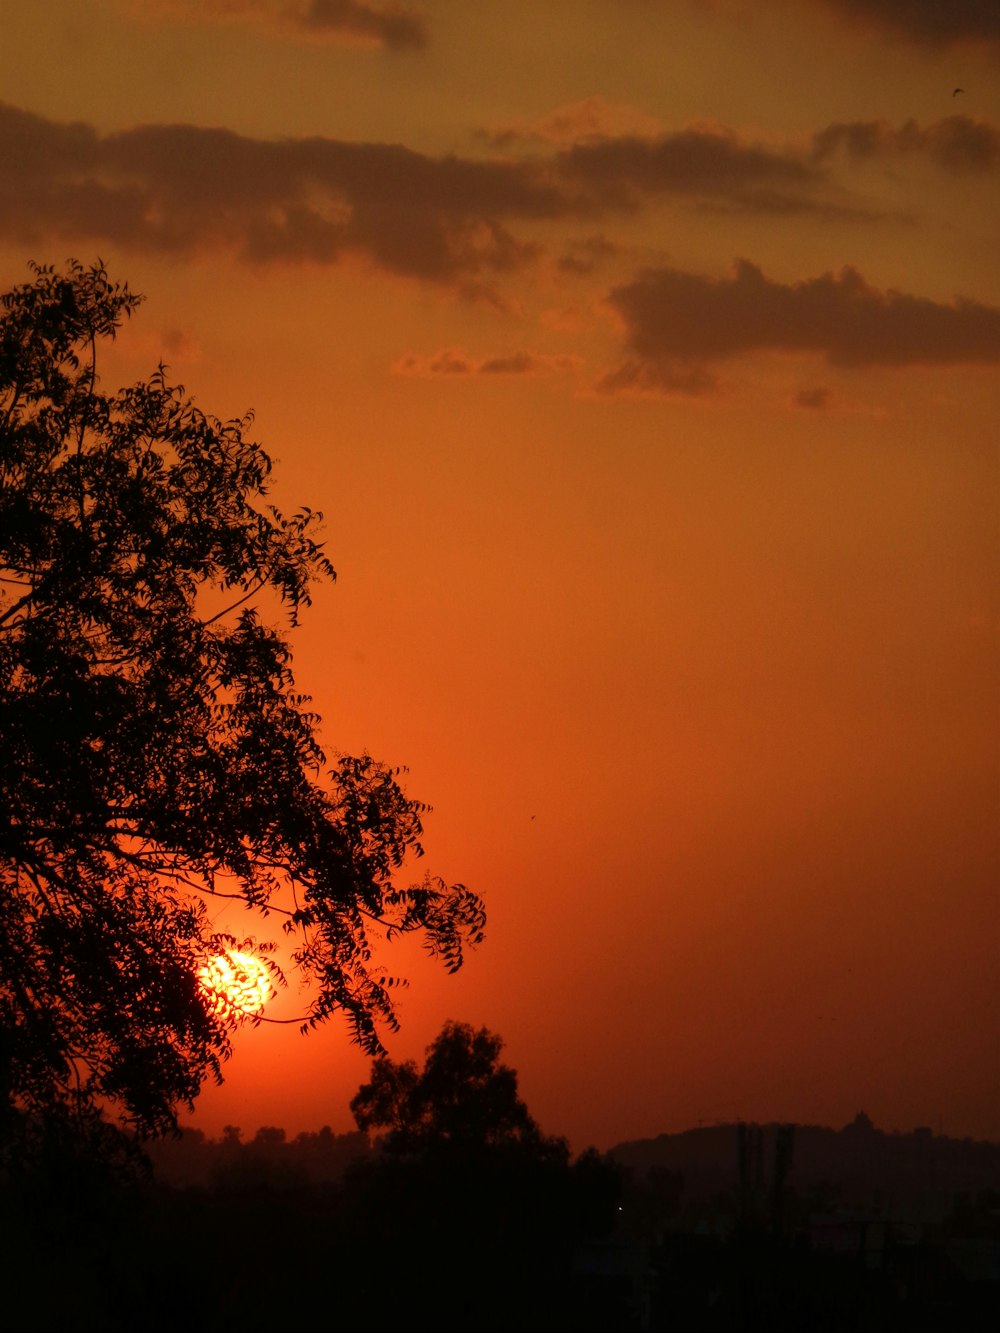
pixel 643 358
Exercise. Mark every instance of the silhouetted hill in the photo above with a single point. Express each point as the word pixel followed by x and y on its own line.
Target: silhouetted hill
pixel 854 1166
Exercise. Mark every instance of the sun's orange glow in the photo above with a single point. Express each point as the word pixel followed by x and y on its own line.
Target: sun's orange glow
pixel 237 981
pixel 653 404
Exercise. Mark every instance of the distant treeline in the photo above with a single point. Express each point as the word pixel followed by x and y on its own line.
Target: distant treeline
pixel 858 1164
pixel 270 1157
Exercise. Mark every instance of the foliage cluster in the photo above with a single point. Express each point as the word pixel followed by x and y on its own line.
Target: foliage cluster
pixel 463 1100
pixel 157 754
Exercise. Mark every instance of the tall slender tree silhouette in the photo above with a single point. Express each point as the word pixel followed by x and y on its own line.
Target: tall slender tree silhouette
pixel 156 753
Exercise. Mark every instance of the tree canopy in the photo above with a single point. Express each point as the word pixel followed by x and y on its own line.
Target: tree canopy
pixel 462 1100
pixel 156 752
pixel 481 1212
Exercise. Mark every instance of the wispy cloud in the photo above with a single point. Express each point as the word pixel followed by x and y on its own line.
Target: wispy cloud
pixel 583 256
pixel 455 361
pixel 576 122
pixel 956 143
pixel 935 22
pixel 815 399
pixel 384 23
pixel 388 25
pixel 663 377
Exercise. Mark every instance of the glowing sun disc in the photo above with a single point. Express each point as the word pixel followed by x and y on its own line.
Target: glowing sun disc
pixel 238 981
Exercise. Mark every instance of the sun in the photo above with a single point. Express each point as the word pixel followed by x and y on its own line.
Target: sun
pixel 237 981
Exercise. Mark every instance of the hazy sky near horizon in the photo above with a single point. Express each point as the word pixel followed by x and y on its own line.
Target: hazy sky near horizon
pixel 643 358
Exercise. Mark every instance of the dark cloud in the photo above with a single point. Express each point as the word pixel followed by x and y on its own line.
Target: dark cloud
pixel 591 119
pixel 706 164
pixel 517 363
pixel 181 189
pixel 663 378
pixel 584 256
pixel 452 361
pixel 956 143
pixel 814 400
pixel 936 22
pixel 382 23
pixel 445 363
pixel 387 24
pixel 671 316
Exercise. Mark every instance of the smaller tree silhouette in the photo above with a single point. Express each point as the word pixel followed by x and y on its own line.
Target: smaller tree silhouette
pixel 463 1100
pixel 481 1211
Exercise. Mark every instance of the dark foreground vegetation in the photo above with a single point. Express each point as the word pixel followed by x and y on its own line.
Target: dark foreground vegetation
pixel 479 1241
pixel 463 1215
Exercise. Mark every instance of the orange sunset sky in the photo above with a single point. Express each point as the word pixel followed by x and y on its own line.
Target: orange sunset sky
pixel 643 358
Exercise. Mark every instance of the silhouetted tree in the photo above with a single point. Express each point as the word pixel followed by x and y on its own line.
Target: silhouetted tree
pixel 155 750
pixel 462 1099
pixel 465 1172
